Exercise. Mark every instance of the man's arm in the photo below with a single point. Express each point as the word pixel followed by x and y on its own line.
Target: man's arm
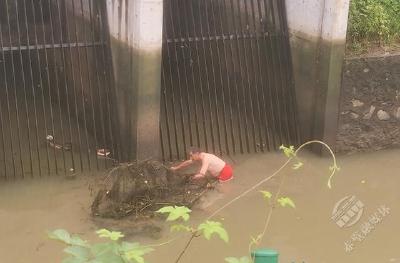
pixel 203 170
pixel 182 165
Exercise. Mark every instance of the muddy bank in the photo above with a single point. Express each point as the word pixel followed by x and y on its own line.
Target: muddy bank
pixel 369 116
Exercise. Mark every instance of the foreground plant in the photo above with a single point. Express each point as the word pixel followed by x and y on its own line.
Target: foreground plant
pixel 283 201
pixel 206 229
pixel 113 251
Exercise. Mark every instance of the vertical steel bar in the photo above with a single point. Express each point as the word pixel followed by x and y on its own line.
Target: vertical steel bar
pixel 2 134
pixel 183 46
pixel 39 63
pixel 259 34
pixel 235 83
pixel 88 72
pixel 110 98
pixel 175 51
pixel 271 52
pixel 96 70
pixel 173 103
pixel 162 144
pixel 57 78
pixel 247 66
pixel 165 103
pixel 238 48
pixel 195 35
pixel 8 102
pixel 289 71
pixel 48 77
pixel 258 76
pixel 24 87
pixel 33 89
pixel 187 35
pixel 221 78
pixel 228 80
pixel 283 85
pixel 91 86
pixel 207 79
pixel 270 77
pixel 72 68
pixel 214 78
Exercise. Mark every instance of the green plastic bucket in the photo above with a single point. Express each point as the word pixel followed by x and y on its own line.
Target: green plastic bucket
pixel 265 256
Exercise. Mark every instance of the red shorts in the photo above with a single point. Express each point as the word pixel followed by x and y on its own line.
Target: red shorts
pixel 226 174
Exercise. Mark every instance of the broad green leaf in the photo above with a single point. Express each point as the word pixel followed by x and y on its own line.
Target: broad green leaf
pixel 61 235
pixel 74 260
pixel 102 248
pixel 113 235
pixel 175 212
pixel 180 227
pixel 109 257
pixel 77 251
pixel 288 151
pixel 135 252
pixel 238 260
pixel 77 241
pixel 297 165
pixel 286 201
pixel 267 195
pixel 209 228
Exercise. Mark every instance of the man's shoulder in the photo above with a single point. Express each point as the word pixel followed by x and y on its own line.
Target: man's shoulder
pixel 209 156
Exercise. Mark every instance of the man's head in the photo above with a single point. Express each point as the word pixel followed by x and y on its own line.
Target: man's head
pixel 194 153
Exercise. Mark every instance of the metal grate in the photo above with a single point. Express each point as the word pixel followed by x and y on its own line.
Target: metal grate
pixel 55 99
pixel 227 81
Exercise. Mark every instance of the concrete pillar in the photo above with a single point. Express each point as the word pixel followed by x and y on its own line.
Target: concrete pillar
pixel 318 36
pixel 136 40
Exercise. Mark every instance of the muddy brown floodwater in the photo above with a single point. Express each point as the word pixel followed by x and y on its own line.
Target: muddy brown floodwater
pixel 30 207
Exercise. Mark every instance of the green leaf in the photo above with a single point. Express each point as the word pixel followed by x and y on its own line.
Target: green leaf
pixel 63 236
pixel 238 260
pixel 288 151
pixel 286 201
pixel 109 257
pixel 180 227
pixel 77 241
pixel 297 165
pixel 135 252
pixel 175 212
pixel 211 227
pixel 102 248
pixel 267 195
pixel 77 251
pixel 113 235
pixel 74 260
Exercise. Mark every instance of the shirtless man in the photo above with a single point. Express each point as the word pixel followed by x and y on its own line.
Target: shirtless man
pixel 209 163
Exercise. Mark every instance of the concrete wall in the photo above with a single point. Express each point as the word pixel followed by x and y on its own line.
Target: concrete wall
pixel 135 29
pixel 318 34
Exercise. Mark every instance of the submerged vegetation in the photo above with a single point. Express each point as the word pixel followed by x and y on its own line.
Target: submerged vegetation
pixel 373 23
